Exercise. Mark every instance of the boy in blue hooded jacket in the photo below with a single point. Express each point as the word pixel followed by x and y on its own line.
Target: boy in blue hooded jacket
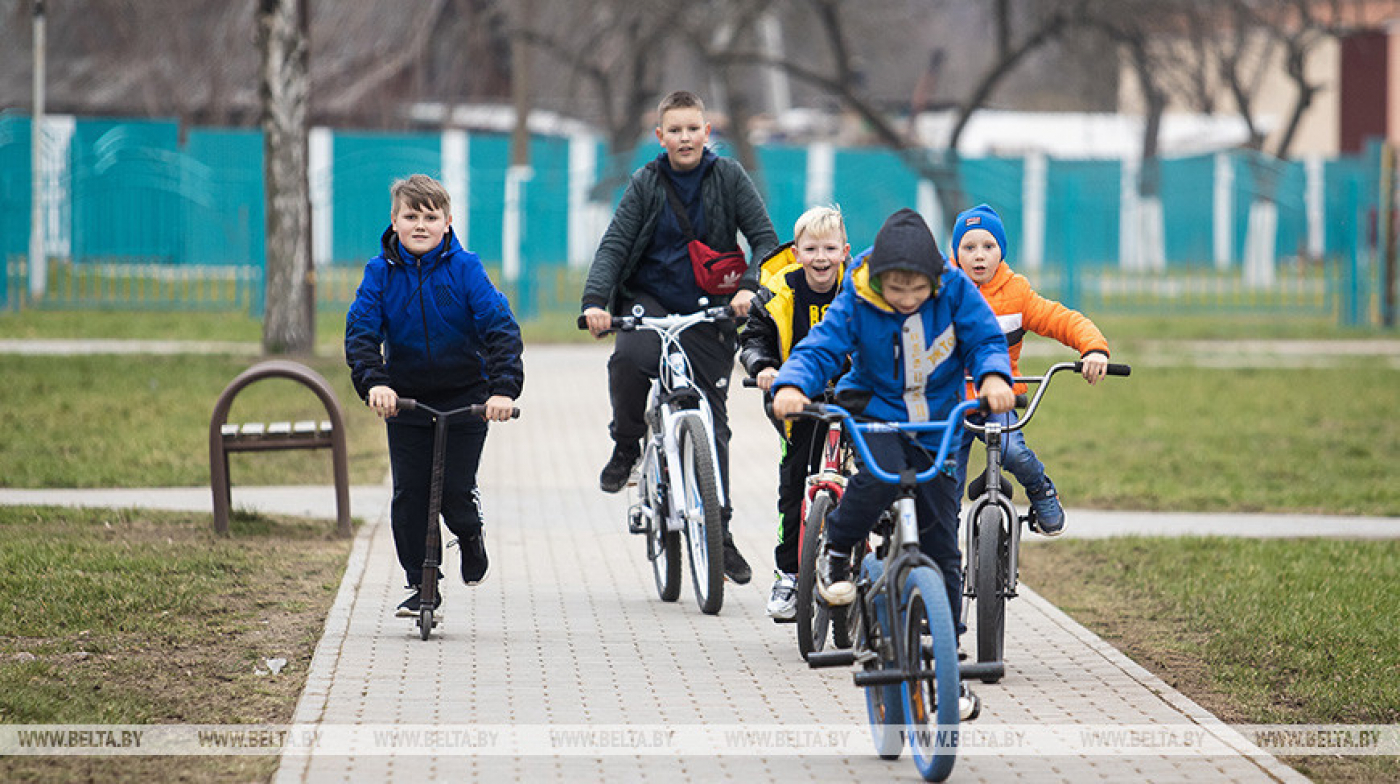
pixel 911 324
pixel 428 324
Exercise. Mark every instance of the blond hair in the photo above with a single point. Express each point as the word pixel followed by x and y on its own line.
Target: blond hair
pixel 820 222
pixel 680 99
pixel 419 192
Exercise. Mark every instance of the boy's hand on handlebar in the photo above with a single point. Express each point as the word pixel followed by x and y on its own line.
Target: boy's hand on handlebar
pixel 499 408
pixel 599 321
pixel 998 394
pixel 788 401
pixel 1094 366
pixel 766 377
pixel 383 401
pixel 739 303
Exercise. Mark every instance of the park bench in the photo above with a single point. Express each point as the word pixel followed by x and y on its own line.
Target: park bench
pixel 226 437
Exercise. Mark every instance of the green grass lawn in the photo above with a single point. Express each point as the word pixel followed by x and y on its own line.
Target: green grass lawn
pixel 1257 631
pixel 136 617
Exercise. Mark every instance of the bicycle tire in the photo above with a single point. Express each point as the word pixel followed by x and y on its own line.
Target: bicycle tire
pixel 663 546
pixel 924 602
pixel 884 705
pixel 991 586
pixel 704 532
pixel 813 614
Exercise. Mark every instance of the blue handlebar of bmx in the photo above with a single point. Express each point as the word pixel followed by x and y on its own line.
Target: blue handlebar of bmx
pixel 858 429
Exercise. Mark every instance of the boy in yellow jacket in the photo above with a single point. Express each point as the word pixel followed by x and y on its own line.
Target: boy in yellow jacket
pixel 979 248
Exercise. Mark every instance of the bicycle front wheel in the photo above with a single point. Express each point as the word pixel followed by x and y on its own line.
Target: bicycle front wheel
pixel 663 546
pixel 992 542
pixel 699 499
pixel 925 611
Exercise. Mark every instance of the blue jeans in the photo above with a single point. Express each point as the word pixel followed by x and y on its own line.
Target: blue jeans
pixel 935 503
pixel 1016 456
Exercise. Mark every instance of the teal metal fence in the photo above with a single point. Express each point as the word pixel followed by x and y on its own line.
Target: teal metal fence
pixel 147 217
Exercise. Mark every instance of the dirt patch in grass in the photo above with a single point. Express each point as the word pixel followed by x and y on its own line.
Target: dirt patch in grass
pixel 192 647
pixel 1148 629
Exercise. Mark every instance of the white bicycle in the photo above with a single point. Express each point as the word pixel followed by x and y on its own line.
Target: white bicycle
pixel 679 491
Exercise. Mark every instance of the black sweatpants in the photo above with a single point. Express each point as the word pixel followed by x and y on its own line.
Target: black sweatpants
pixel 802 456
pixel 411 459
pixel 633 365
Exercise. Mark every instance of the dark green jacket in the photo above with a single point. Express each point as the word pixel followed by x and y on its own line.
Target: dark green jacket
pixel 732 205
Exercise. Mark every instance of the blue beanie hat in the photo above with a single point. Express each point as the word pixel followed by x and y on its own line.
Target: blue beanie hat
pixel 980 217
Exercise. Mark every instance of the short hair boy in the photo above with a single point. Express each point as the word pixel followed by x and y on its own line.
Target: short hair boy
pixel 980 250
pixel 801 280
pixel 643 261
pixel 427 323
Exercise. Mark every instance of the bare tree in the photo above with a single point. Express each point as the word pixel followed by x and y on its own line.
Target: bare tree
pixel 289 324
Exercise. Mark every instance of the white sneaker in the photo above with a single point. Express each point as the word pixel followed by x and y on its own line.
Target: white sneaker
pixel 969 704
pixel 782 603
pixel 834 578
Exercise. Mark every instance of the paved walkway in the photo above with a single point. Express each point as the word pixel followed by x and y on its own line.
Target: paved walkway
pixel 565 660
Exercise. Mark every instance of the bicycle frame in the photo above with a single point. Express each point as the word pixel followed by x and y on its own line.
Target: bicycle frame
pixel 672 394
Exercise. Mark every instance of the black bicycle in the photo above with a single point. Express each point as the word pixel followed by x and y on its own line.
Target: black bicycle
pixel 427 586
pixel 993 532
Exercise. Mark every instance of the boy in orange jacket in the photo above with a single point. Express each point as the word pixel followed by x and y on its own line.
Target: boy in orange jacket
pixel 979 248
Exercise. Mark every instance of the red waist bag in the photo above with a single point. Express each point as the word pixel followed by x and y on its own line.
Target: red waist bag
pixel 715 272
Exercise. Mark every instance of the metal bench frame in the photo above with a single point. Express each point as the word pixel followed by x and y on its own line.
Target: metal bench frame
pixel 224 438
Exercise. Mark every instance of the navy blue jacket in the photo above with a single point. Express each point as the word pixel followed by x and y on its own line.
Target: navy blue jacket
pixel 446 334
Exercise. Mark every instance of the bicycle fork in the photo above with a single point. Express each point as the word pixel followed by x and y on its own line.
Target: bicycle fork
pixel 992 494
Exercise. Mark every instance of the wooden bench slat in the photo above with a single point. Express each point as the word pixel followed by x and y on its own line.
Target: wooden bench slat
pixel 252 430
pixel 279 429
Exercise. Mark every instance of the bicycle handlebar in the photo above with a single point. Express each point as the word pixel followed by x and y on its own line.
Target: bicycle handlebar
pixel 477 410
pixel 1043 383
pixel 629 323
pixel 857 430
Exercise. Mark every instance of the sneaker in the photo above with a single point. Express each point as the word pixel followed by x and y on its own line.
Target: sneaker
pixel 735 567
pixel 409 607
pixel 782 603
pixel 1047 516
pixel 619 468
pixel 834 577
pixel 969 704
pixel 474 563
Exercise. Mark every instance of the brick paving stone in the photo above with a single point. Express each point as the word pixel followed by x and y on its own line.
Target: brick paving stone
pixel 567 633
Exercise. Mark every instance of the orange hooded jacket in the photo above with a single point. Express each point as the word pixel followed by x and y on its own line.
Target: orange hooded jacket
pixel 1019 310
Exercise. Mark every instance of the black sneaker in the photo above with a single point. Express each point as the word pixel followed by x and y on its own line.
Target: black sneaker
pixel 474 563
pixel 619 468
pixel 735 567
pixel 834 577
pixel 409 607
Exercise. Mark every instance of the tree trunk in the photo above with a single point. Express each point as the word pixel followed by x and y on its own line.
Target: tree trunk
pixel 289 324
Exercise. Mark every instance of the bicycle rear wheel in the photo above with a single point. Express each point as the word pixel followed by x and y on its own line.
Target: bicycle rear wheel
pixel 663 546
pixel 925 605
pixel 883 704
pixel 699 502
pixel 992 541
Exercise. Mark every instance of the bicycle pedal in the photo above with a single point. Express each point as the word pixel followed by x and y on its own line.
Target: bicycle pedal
pixel 634 521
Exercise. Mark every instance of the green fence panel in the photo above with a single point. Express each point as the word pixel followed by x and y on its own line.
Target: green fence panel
pixel 225 217
pixel 1188 210
pixel 870 185
pixel 363 167
pixel 1000 183
pixel 488 157
pixel 545 224
pixel 126 197
pixel 782 179
pixel 1082 204
pixel 15 189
